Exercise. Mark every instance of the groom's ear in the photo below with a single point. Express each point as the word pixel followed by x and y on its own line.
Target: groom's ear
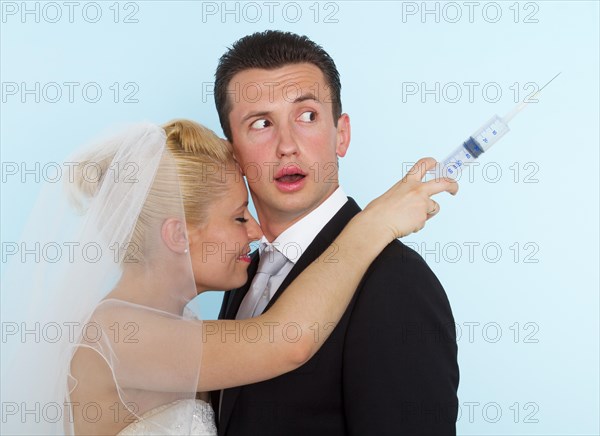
pixel 342 135
pixel 235 156
pixel 174 235
pixel 238 164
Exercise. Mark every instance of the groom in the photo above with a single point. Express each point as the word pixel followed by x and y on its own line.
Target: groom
pixel 389 366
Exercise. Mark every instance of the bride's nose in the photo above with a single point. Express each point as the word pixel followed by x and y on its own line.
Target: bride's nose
pixel 253 229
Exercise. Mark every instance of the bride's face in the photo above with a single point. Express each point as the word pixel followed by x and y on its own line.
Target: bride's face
pixel 219 248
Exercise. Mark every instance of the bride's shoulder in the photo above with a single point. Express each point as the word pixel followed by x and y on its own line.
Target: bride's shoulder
pixel 122 323
pixel 119 306
pixel 112 310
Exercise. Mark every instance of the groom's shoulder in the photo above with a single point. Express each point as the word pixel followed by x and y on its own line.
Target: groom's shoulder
pixel 398 251
pixel 399 260
pixel 397 263
pixel 399 273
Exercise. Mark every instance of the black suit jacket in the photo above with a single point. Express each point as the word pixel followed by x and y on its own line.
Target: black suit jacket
pixel 388 368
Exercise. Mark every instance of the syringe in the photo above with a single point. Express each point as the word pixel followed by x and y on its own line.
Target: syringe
pixel 480 141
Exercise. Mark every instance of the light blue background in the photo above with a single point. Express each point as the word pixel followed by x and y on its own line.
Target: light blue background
pixel 541 373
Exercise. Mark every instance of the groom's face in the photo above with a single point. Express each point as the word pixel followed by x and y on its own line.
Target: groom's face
pixel 285 138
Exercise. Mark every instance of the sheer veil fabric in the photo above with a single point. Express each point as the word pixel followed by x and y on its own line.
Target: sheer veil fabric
pixel 107 268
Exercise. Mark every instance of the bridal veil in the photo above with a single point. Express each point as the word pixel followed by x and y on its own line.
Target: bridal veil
pixel 116 220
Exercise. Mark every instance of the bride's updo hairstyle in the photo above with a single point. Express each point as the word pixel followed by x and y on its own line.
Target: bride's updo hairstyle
pixel 201 158
pixel 191 171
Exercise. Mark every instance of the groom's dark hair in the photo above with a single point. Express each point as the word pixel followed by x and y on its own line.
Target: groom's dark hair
pixel 270 50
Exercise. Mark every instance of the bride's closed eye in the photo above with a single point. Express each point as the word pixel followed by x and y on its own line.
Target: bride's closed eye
pixel 242 219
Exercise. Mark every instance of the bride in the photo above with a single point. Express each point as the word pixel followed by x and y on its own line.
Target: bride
pixel 162 216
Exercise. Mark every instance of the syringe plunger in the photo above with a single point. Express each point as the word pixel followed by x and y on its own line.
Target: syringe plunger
pixel 478 143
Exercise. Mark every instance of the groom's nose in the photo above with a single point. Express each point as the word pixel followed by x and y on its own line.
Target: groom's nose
pixel 286 142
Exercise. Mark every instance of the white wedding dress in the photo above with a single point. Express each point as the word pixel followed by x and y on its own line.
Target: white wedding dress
pixel 183 417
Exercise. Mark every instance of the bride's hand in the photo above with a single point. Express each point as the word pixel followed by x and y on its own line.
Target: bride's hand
pixel 407 205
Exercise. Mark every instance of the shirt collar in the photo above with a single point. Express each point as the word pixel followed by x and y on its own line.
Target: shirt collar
pixel 294 241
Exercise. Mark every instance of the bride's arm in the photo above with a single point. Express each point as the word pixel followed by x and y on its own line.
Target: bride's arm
pixel 298 323
pixel 238 352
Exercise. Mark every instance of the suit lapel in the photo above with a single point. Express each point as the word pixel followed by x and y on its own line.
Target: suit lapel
pixel 323 239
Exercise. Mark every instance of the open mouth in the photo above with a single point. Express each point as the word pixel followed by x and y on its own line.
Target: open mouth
pixel 290 174
pixel 290 178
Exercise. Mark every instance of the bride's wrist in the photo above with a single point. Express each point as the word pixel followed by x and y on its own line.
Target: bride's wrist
pixel 372 229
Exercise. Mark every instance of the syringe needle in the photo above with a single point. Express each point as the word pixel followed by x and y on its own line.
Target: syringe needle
pixel 522 105
pixel 549 82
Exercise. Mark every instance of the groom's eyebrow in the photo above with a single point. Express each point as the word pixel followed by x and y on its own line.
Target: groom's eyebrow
pixel 299 99
pixel 255 114
pixel 307 96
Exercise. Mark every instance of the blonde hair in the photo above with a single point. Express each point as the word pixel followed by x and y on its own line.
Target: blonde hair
pixel 200 156
pixel 194 159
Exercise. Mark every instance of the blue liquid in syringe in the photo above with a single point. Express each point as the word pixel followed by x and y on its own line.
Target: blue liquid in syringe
pixel 473 147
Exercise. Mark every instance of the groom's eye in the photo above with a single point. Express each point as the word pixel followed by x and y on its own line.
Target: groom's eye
pixel 242 220
pixel 260 124
pixel 308 116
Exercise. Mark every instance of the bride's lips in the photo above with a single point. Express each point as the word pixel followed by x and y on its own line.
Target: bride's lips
pixel 290 178
pixel 245 257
